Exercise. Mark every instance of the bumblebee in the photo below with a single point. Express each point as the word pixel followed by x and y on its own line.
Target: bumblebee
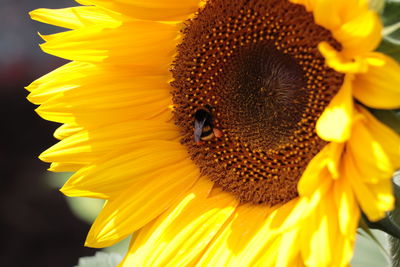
pixel 203 126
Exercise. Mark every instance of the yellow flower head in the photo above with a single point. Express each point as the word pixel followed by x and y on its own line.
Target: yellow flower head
pixel 225 133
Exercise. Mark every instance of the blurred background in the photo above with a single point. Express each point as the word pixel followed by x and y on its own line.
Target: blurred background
pixel 38 225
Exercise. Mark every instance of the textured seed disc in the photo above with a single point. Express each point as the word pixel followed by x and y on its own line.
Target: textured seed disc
pixel 256 67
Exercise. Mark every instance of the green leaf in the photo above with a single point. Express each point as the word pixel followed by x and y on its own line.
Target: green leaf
pixel 370 249
pixel 395 216
pixel 393 32
pixel 396 189
pixel 101 259
pixel 389 48
pixel 386 225
pixel 85 208
pixel 390 44
pixel 389 117
pixel 377 5
pixel 365 226
pixel 391 12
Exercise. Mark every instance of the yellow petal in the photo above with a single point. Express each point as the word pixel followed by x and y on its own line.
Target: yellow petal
pixel 262 238
pixel 121 97
pixel 386 137
pixel 159 3
pixel 89 145
pixel 67 130
pixel 77 54
pixel 94 44
pixel 319 233
pixel 277 253
pixel 179 236
pixel 360 35
pixel 289 214
pixel 379 87
pixel 288 240
pixel 145 199
pixel 308 227
pixel 150 10
pixel 70 83
pixel 334 154
pixel 335 122
pixel 324 166
pixel 297 262
pixel 384 194
pixel 347 209
pixel 231 246
pixel 372 162
pixel 344 249
pixel 313 175
pixel 269 255
pixel 323 235
pixel 337 61
pixel 114 172
pixel 74 17
pixel 56 82
pixel 89 116
pixel 65 167
pixel 332 14
pixel 327 13
pixel 374 199
pixel 74 44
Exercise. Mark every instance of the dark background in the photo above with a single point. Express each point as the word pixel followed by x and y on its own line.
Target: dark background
pixel 37 227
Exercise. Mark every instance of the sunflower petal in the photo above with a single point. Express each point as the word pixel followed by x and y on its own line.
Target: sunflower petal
pixel 88 117
pixel 327 13
pixel 372 162
pixel 67 130
pixel 179 236
pixel 230 246
pixel 95 44
pixel 347 210
pixel 288 239
pixel 374 199
pixel 323 167
pixel 65 167
pixel 271 255
pixel 335 122
pixel 337 61
pixel 379 86
pixel 360 35
pixel 386 137
pixel 145 199
pixel 344 249
pixel 321 237
pixel 73 17
pixel 113 173
pixel 333 14
pixel 89 145
pixel 149 10
pixel 59 80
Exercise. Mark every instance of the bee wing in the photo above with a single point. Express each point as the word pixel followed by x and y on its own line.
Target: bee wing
pixel 198 129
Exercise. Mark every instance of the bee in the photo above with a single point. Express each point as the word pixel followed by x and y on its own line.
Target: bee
pixel 203 126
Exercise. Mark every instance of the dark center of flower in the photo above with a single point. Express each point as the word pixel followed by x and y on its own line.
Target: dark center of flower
pixel 263 97
pixel 249 86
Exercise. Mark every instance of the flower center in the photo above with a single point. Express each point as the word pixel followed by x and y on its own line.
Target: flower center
pixel 249 85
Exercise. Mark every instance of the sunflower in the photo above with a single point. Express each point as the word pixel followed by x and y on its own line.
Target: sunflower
pixel 223 133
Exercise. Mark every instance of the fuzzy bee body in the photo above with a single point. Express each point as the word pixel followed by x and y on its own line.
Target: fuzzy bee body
pixel 203 127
